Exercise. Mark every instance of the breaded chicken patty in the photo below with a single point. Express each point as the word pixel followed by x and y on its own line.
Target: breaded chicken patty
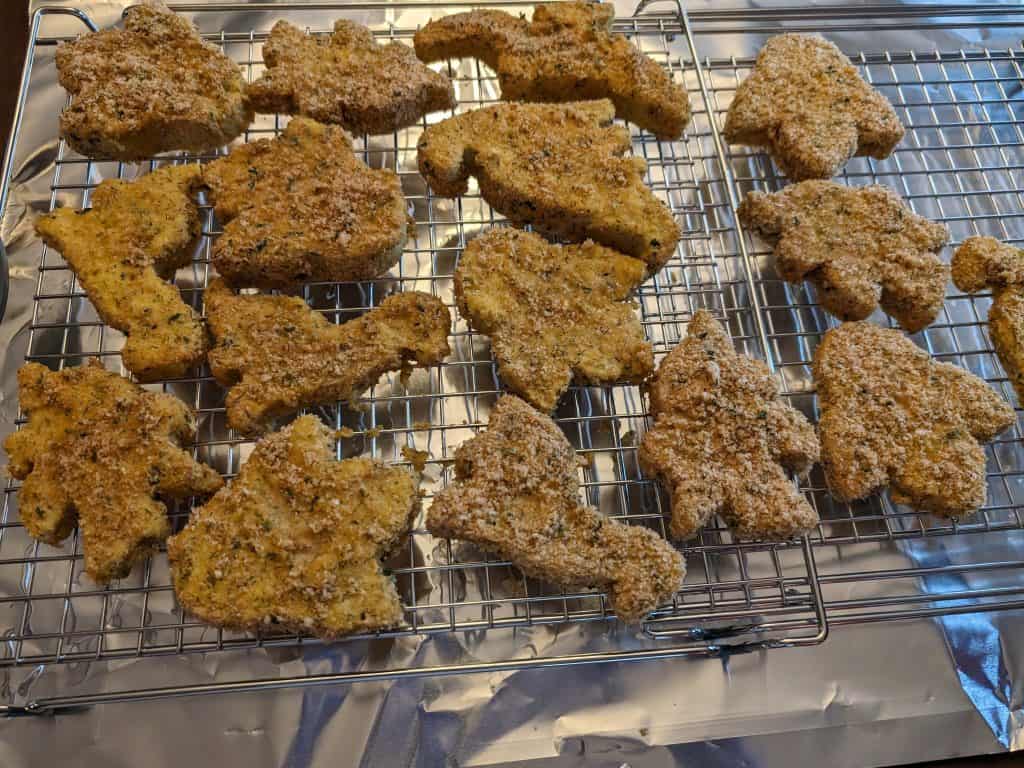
pixel 516 492
pixel 567 53
pixel 151 87
pixel 810 108
pixel 348 79
pixel 295 541
pixel 543 337
pixel 277 355
pixel 723 438
pixel 98 451
pixel 557 167
pixel 984 262
pixel 302 207
pixel 123 250
pixel 861 247
pixel 892 416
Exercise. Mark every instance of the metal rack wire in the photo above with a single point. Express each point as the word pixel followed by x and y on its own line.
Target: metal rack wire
pixel 741 594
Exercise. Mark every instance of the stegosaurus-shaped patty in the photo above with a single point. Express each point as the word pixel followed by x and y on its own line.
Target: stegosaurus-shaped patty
pixel 347 78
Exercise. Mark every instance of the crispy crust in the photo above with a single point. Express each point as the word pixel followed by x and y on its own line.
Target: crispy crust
pixel 557 167
pixel 517 493
pixel 567 53
pixel 348 79
pixel 277 355
pixel 721 438
pixel 861 247
pixel 302 207
pixel 810 108
pixel 98 450
pixel 890 415
pixel 984 262
pixel 540 337
pixel 295 542
pixel 152 87
pixel 123 250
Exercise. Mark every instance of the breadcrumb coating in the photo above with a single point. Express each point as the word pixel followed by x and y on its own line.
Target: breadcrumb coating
pixel 517 493
pixel 151 87
pixel 295 541
pixel 567 53
pixel 556 167
pixel 810 108
pixel 348 79
pixel 722 437
pixel 302 207
pixel 277 355
pixel 97 451
pixel 862 247
pixel 984 262
pixel 542 337
pixel 123 251
pixel 892 416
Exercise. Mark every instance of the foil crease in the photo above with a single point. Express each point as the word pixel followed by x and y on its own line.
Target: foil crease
pixel 870 694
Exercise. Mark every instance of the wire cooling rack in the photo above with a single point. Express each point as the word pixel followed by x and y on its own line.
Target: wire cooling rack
pixel 961 164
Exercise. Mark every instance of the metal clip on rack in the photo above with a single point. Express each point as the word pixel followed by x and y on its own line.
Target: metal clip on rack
pixel 962 158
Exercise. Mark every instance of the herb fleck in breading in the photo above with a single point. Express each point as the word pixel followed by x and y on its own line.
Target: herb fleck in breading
pixel 98 450
pixel 557 167
pixel 277 355
pixel 540 336
pixel 808 105
pixel 123 250
pixel 890 415
pixel 721 438
pixel 151 87
pixel 295 541
pixel 517 492
pixel 567 53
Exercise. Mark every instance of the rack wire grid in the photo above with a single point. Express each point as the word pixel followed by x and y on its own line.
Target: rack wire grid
pixel 736 592
pixel 960 164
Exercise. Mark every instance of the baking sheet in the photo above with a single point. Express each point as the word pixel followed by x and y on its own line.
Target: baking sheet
pixel 871 694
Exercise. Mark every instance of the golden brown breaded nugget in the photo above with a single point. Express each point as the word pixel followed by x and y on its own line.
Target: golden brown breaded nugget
pixel 152 87
pixel 862 247
pixel 567 53
pixel 302 207
pixel 890 415
pixel 97 450
pixel 984 262
pixel 295 541
pixel 277 355
pixel 123 251
pixel 557 167
pixel 516 492
pixel 541 336
pixel 721 438
pixel 810 108
pixel 348 79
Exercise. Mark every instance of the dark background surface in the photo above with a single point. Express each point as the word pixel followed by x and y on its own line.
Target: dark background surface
pixel 14 40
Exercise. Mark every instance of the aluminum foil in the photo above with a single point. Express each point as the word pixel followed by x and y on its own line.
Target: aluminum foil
pixel 872 694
